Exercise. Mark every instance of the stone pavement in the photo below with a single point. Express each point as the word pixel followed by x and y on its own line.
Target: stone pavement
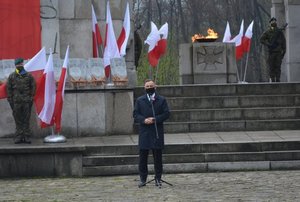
pixel 227 186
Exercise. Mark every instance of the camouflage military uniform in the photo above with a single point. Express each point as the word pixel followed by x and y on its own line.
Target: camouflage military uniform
pixel 20 94
pixel 274 39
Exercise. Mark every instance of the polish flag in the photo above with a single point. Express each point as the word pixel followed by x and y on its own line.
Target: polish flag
pixel 36 67
pixel 60 94
pixel 247 38
pixel 227 34
pixel 97 40
pixel 152 40
pixel 111 49
pixel 162 43
pixel 46 115
pixel 238 42
pixel 124 35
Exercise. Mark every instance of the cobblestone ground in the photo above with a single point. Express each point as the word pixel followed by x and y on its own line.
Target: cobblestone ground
pixel 226 186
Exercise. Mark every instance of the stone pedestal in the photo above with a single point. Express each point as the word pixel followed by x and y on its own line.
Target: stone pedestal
pixel 206 63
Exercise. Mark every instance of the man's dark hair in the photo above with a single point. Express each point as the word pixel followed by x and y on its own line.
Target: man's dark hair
pixel 147 80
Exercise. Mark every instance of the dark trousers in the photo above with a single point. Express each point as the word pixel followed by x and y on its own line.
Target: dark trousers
pixel 143 163
pixel 274 61
pixel 21 114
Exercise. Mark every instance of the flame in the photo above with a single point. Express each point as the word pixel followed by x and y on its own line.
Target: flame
pixel 211 35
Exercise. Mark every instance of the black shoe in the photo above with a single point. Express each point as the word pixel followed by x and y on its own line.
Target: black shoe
pixel 26 140
pixel 158 183
pixel 141 184
pixel 18 140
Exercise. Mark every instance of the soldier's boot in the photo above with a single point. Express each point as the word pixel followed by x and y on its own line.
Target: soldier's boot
pixel 18 139
pixel 26 139
pixel 273 79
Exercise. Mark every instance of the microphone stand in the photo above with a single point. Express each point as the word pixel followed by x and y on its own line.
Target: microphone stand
pixel 153 113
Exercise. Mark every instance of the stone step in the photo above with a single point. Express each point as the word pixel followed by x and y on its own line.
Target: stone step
pixel 194 158
pixel 226 114
pixel 233 125
pixel 225 89
pixel 131 150
pixel 194 167
pixel 212 102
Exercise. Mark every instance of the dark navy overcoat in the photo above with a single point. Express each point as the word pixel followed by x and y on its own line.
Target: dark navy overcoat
pixel 147 133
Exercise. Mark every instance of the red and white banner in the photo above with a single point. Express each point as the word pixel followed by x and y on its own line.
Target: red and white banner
pixel 111 49
pixel 162 43
pixel 36 67
pixel 238 42
pixel 46 114
pixel 60 93
pixel 97 40
pixel 152 40
pixel 125 32
pixel 247 38
pixel 227 34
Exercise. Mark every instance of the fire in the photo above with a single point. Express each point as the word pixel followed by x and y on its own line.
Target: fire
pixel 211 35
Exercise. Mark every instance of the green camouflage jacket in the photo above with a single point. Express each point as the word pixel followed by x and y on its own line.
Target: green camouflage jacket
pixel 20 88
pixel 274 39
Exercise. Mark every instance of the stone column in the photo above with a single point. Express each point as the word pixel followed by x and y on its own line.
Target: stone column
pixel 292 8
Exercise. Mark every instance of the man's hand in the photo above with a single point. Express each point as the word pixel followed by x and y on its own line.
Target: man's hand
pixel 149 120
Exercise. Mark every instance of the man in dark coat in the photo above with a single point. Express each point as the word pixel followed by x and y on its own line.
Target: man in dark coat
pixel 150 111
pixel 20 94
pixel 274 39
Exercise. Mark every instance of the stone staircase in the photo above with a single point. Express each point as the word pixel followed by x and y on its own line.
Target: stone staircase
pixel 202 108
pixel 231 107
pixel 183 158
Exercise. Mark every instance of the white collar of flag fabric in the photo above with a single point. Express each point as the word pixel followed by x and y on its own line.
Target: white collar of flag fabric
pixel 164 31
pixel 227 34
pixel 153 37
pixel 38 62
pixel 238 38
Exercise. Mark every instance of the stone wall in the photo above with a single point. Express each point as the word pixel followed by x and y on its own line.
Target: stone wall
pixel 288 11
pixel 69 23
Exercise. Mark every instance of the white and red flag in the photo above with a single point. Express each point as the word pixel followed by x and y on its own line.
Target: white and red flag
pixel 162 43
pixel 152 40
pixel 36 67
pixel 124 35
pixel 227 34
pixel 60 93
pixel 97 40
pixel 111 49
pixel 238 42
pixel 247 38
pixel 46 114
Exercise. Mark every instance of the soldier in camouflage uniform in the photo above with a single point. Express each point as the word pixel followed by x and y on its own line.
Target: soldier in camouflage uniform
pixel 274 39
pixel 20 94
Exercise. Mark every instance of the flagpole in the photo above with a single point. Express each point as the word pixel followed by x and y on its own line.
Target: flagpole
pixel 237 73
pixel 156 74
pixel 246 66
pixel 150 72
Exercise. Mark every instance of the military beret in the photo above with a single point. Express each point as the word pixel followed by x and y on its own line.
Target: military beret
pixel 19 61
pixel 272 19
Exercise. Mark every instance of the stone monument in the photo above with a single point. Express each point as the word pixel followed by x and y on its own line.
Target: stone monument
pixel 207 63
